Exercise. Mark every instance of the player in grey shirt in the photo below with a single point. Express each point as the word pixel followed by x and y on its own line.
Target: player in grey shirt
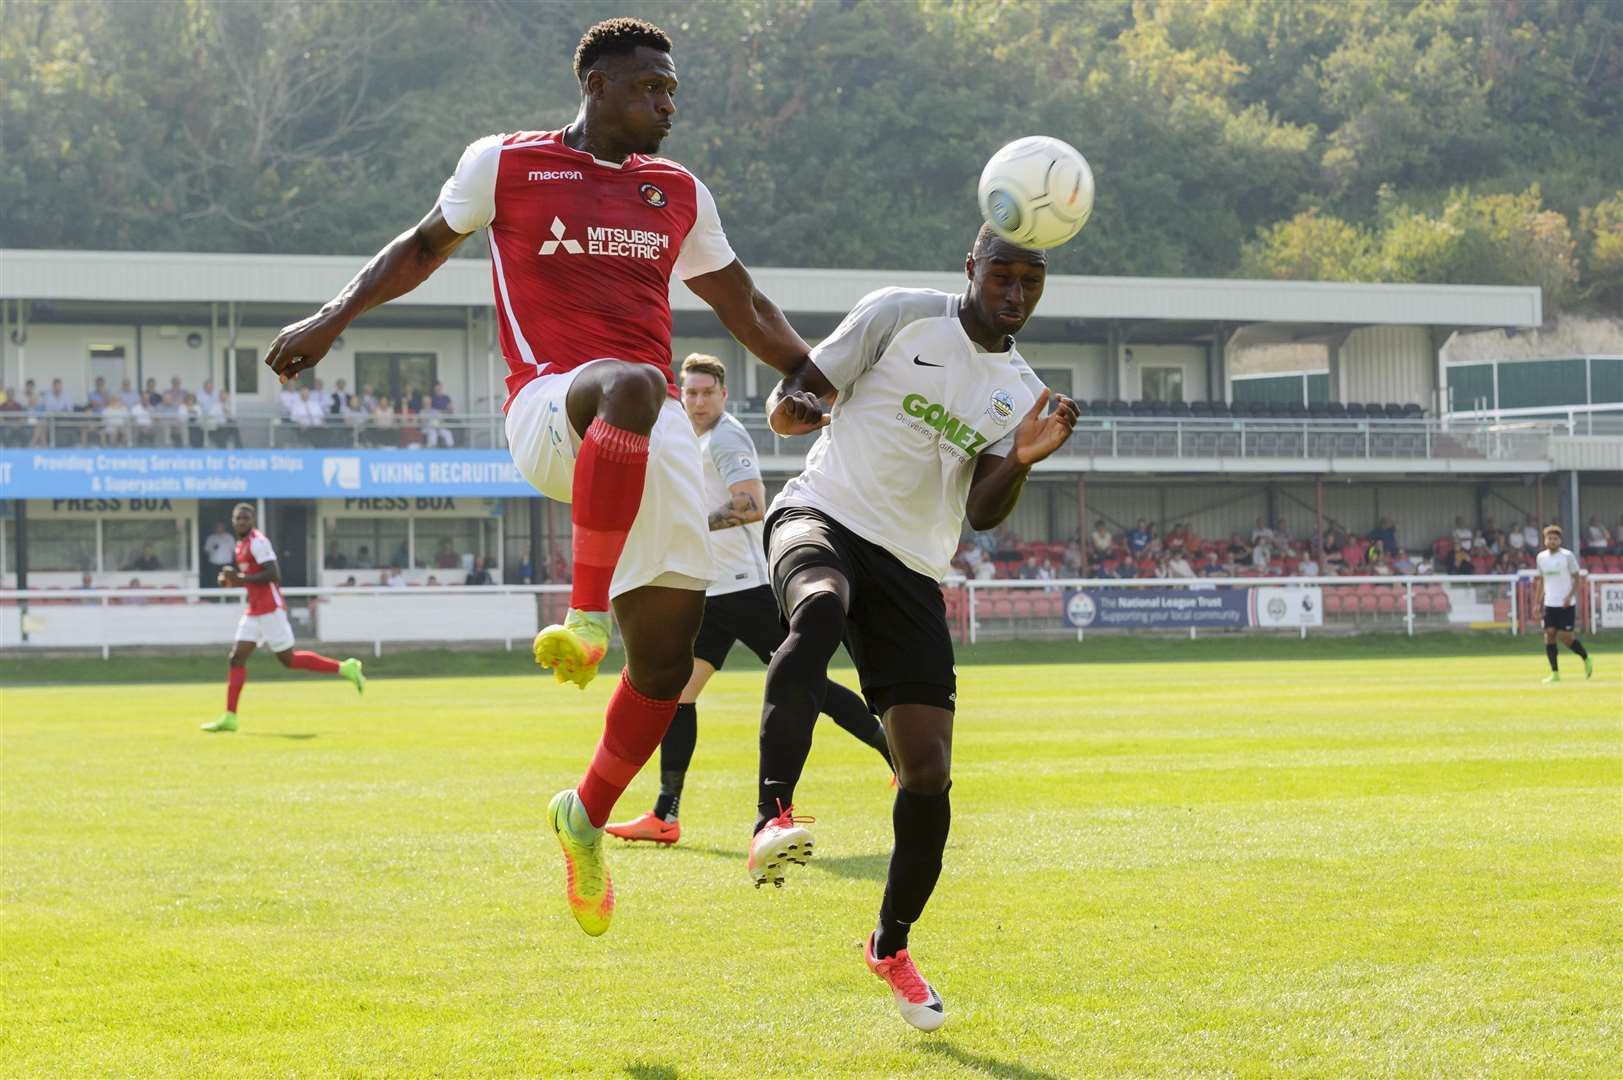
pixel 738 606
pixel 935 418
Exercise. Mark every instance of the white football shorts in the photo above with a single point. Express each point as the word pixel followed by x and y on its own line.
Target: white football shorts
pixel 669 543
pixel 272 630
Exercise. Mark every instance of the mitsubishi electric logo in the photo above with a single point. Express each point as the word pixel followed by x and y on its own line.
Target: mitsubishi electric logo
pixel 559 240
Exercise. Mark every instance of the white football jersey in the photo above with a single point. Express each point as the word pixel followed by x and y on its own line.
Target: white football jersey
pixel 740 553
pixel 918 403
pixel 1559 569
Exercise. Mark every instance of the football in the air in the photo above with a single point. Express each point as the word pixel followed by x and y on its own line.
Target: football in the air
pixel 1037 192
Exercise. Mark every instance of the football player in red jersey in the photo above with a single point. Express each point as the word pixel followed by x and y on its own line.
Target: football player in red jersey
pixel 586 228
pixel 264 621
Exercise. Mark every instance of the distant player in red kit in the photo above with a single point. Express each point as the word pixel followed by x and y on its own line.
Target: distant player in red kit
pixel 586 229
pixel 265 621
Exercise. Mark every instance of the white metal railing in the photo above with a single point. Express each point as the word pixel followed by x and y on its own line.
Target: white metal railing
pixel 1595 419
pixel 164 431
pixel 107 618
pixel 1253 438
pixel 104 619
pixel 1456 612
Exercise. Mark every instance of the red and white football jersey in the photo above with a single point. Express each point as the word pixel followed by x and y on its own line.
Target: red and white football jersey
pixel 253 552
pixel 582 250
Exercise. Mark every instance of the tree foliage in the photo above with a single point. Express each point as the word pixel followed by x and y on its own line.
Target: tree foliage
pixel 1340 139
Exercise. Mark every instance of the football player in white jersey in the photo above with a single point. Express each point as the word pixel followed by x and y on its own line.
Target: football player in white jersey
pixel 934 417
pixel 738 606
pixel 1556 592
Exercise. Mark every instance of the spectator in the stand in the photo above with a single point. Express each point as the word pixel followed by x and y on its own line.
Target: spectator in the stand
pixel 1597 541
pixel 1504 564
pixel 1212 566
pixel 985 571
pixel 1139 538
pixel 1005 544
pixel 219 549
pixel 480 574
pixel 435 433
pixel 1617 537
pixel 1460 562
pixel 115 423
pixel 207 396
pixel 1177 537
pixel 1463 534
pixel 1308 567
pixel 337 399
pixel 190 416
pixel 129 394
pixel 1072 564
pixel 432 581
pixel 1178 565
pixel 1402 563
pixel 86 581
pixel 412 400
pixel 176 388
pixel 363 558
pixel 1352 554
pixel 526 572
pixel 1515 538
pixel 369 400
pixel 1238 550
pixel 558 568
pixel 171 428
pixel 219 421
pixel 973 557
pixel 151 396
pixel 40 431
pixel 1262 555
pixel 1261 532
pixel 349 582
pixel 56 399
pixel 1282 535
pixel 15 431
pixel 335 559
pixel 445 557
pixel 307 414
pixel 142 425
pixel 1385 533
pixel 147 560
pixel 393 578
pixel 99 396
pixel 1101 540
pixel 289 398
pixel 1376 562
pixel 380 426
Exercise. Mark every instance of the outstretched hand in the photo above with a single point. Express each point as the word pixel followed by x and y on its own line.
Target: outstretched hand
pixel 300 346
pixel 1039 436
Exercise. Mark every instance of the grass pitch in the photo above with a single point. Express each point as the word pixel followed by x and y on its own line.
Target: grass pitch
pixel 1316 867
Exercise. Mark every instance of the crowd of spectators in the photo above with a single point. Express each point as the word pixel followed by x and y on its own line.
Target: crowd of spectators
pixel 174 416
pixel 323 417
pixel 1144 550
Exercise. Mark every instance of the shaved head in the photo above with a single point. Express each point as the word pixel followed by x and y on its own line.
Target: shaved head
pixel 989 245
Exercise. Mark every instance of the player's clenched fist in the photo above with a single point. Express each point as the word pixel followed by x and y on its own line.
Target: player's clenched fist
pixel 798 413
pixel 1039 436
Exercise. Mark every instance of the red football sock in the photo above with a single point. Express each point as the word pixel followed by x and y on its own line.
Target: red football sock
pixel 309 661
pixel 631 733
pixel 233 687
pixel 607 491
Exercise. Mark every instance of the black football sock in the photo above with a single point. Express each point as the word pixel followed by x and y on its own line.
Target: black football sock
pixel 851 713
pixel 675 753
pixel 795 686
pixel 921 823
pixel 1549 650
pixel 1578 647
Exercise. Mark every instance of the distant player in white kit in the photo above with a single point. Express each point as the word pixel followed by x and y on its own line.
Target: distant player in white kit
pixel 1556 593
pixel 264 622
pixel 738 606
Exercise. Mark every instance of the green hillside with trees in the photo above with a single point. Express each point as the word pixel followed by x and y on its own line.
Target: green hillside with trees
pixel 1329 139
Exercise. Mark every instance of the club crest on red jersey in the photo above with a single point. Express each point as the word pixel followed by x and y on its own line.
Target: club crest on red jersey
pixel 652 195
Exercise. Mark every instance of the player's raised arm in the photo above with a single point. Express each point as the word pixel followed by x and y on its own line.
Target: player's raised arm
pixel 996 486
pixel 405 263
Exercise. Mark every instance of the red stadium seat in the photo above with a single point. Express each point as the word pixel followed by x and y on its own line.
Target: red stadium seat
pixel 1024 608
pixel 1332 601
pixel 1386 603
pixel 1368 602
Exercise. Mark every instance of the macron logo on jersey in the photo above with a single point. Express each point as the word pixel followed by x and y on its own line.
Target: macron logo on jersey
pixel 559 240
pixel 557 174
